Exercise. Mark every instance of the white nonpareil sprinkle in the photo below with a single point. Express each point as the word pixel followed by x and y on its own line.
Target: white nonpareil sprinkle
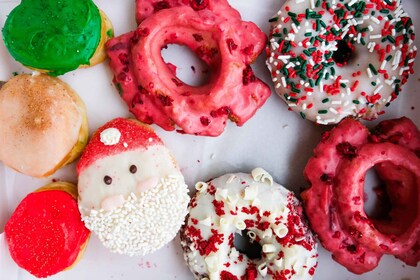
pixel 143 224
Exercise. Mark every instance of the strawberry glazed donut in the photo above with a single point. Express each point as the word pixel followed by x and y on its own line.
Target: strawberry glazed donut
pixel 334 202
pixel 280 245
pixel 332 59
pixel 216 33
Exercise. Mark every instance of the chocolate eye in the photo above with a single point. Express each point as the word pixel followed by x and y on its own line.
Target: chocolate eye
pixel 133 169
pixel 108 180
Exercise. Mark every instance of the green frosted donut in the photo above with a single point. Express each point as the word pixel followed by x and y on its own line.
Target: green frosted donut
pixel 53 35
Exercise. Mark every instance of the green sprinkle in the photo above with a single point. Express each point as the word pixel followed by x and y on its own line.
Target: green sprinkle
pixel 311 83
pixel 110 33
pixel 273 19
pixel 373 83
pixel 119 88
pixel 391 39
pixel 356 102
pixel 343 85
pixel 388 58
pixel 321 75
pixel 296 90
pixel 327 75
pixel 303 115
pixel 294 100
pixel 332 69
pixel 373 69
pixel 384 11
pixel 325 100
pixel 15 73
pixel 318 2
pixel 308 34
pixel 285 31
pixel 292 14
pixel 322 112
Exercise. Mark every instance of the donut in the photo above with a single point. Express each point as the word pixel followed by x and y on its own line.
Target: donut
pixel 45 234
pixel 57 36
pixel 219 37
pixel 332 59
pixel 132 194
pixel 334 201
pixel 250 205
pixel 43 124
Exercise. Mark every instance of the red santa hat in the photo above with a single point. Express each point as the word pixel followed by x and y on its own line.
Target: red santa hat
pixel 117 136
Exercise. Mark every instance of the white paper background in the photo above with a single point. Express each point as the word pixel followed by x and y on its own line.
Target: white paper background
pixel 275 139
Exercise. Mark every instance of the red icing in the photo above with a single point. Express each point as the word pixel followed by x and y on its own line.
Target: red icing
pixel 226 275
pixel 205 247
pixel 133 136
pixel 45 233
pixel 218 207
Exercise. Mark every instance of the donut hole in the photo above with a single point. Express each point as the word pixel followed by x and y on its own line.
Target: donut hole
pixel 246 245
pixel 390 198
pixel 344 53
pixel 377 202
pixel 186 65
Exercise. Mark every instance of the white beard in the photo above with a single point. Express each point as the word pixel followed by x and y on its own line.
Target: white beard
pixel 145 222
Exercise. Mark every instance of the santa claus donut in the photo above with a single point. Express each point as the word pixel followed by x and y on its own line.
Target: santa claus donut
pixel 334 202
pixel 219 37
pixel 131 191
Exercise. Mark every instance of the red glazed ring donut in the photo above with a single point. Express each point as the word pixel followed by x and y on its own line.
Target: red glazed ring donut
pixel 335 197
pixel 221 39
pixel 349 189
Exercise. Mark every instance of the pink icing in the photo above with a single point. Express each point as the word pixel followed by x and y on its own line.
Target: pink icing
pixel 219 37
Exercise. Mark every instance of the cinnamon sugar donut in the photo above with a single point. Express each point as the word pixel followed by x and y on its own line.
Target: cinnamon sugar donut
pixel 331 59
pixel 253 205
pixel 43 124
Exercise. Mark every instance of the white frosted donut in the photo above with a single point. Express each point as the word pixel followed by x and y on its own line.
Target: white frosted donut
pixel 330 59
pixel 249 204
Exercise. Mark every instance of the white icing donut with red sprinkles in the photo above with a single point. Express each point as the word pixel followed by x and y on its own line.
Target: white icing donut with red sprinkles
pixel 330 59
pixel 249 204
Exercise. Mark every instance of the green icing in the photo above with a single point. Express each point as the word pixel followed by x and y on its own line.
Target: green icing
pixel 55 35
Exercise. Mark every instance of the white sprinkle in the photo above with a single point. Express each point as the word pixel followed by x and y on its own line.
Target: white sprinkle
pixel 374 19
pixel 312 4
pixel 375 36
pixel 295 29
pixel 383 64
pixel 369 72
pixel 352 2
pixel 378 89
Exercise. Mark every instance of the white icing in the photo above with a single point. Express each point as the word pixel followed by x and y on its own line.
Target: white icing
pixel 154 162
pixel 110 136
pixel 320 100
pixel 138 213
pixel 274 200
